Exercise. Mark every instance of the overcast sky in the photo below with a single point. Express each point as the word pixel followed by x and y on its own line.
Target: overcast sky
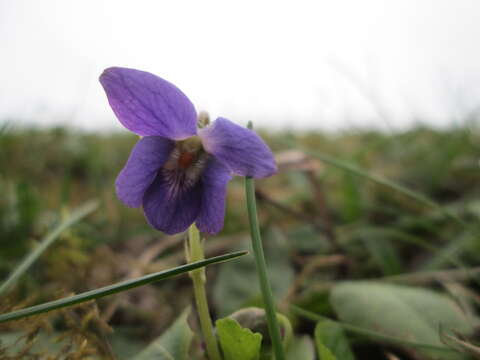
pixel 302 64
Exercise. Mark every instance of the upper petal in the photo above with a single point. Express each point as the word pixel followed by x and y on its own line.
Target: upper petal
pixel 169 210
pixel 148 105
pixel 212 212
pixel 146 158
pixel 240 149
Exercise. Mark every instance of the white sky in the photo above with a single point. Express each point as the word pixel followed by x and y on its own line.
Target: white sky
pixel 301 64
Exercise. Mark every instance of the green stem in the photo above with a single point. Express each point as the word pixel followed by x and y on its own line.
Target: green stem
pixel 195 253
pixel 270 311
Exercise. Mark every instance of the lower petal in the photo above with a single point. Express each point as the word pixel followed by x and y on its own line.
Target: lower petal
pixel 239 149
pixel 147 157
pixel 215 179
pixel 169 210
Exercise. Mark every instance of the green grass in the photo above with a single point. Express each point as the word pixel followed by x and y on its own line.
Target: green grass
pixel 372 206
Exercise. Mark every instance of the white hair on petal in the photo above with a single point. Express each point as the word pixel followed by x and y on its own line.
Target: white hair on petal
pixel 180 179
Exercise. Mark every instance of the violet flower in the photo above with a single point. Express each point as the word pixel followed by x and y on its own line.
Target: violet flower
pixel 176 171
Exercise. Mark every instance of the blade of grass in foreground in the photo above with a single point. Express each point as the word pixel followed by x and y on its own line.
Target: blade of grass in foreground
pixel 115 288
pixel 48 240
pixel 365 332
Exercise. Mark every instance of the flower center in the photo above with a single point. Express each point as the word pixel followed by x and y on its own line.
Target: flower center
pixel 185 164
pixel 185 159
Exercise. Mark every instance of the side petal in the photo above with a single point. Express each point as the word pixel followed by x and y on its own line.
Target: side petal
pixel 148 105
pixel 212 212
pixel 147 157
pixel 171 211
pixel 240 149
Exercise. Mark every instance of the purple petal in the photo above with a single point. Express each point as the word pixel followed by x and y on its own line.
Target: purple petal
pixel 215 179
pixel 171 211
pixel 146 158
pixel 240 149
pixel 148 105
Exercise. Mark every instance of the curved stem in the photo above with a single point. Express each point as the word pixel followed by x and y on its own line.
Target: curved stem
pixel 195 253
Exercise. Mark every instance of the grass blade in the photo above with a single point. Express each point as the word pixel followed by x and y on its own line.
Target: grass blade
pixel 48 240
pixel 115 288
pixel 355 170
pixel 257 246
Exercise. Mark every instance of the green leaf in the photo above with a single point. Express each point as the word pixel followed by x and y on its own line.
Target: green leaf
pixel 255 319
pixel 301 348
pixel 368 333
pixel 324 353
pixel 331 341
pixel 173 344
pixel 116 288
pixel 238 343
pixel 48 240
pixel 408 313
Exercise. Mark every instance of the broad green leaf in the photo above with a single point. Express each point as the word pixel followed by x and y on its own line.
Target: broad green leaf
pixel 238 343
pixel 330 338
pixel 301 349
pixel 173 344
pixel 237 284
pixel 367 332
pixel 408 313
